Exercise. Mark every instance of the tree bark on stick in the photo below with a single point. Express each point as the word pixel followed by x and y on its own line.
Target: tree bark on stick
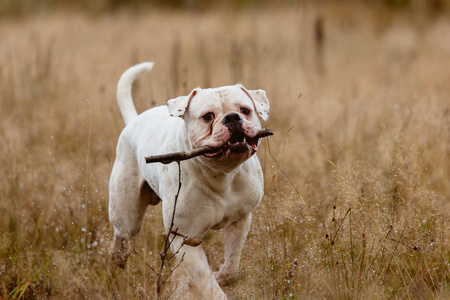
pixel 184 155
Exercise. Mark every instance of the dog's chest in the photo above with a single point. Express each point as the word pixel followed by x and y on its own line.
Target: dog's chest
pixel 235 204
pixel 231 215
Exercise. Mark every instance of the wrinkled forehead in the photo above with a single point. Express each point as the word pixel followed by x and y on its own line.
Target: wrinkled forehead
pixel 223 99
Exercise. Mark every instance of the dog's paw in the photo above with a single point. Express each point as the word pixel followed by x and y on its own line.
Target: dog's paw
pixel 120 252
pixel 120 259
pixel 225 277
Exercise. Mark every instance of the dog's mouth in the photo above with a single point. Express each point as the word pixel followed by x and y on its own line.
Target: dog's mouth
pixel 237 147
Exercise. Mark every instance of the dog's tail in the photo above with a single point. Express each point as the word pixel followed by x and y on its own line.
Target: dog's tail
pixel 124 90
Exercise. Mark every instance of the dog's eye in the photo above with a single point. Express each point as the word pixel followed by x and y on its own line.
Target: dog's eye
pixel 245 111
pixel 208 117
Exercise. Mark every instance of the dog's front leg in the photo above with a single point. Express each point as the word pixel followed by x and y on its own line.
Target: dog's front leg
pixel 234 238
pixel 197 268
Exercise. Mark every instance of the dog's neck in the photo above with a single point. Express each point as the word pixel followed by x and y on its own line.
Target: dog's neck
pixel 221 178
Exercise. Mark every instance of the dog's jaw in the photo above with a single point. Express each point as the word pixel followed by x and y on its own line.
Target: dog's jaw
pixel 236 149
pixel 234 144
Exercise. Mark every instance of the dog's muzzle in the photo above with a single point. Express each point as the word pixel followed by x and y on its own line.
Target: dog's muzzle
pixel 239 143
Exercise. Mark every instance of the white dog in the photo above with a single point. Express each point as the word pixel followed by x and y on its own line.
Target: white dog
pixel 219 190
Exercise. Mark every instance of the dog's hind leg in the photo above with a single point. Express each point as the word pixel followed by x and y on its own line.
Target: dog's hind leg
pixel 129 196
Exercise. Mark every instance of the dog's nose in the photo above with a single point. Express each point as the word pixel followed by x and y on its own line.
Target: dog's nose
pixel 231 118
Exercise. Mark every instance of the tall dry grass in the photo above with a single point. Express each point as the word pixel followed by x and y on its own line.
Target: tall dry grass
pixel 364 139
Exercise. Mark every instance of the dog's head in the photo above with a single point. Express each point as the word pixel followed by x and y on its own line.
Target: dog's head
pixel 225 118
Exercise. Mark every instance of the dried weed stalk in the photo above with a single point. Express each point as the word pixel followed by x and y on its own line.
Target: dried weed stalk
pixel 165 258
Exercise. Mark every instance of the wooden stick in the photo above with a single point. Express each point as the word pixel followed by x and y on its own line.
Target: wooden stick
pixel 184 155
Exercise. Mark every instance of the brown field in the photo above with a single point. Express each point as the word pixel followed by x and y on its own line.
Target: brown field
pixel 362 132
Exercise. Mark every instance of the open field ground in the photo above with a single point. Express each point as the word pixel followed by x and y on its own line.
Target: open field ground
pixel 361 119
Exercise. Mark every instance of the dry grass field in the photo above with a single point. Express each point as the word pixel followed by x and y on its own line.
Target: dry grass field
pixel 362 135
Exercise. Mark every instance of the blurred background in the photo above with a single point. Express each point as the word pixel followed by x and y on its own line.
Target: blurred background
pixel 357 194
pixel 9 7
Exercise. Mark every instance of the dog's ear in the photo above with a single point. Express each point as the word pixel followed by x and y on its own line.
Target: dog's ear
pixel 177 107
pixel 260 101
